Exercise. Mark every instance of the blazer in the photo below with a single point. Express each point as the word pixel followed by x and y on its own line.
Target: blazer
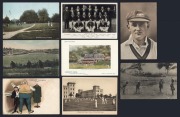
pixel 37 94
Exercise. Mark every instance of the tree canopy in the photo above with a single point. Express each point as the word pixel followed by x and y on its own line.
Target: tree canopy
pixel 43 15
pixel 55 18
pixel 6 20
pixel 79 52
pixel 29 16
pixel 167 66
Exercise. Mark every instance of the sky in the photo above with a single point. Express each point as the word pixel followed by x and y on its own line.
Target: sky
pixel 150 67
pixel 15 10
pixel 31 44
pixel 73 47
pixel 109 85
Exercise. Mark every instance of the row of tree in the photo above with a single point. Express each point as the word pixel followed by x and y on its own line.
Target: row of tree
pixel 138 66
pixel 30 16
pixel 79 52
pixel 39 64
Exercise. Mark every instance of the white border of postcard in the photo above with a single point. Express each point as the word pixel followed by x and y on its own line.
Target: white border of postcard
pixel 54 111
pixel 90 112
pixel 89 35
pixel 113 71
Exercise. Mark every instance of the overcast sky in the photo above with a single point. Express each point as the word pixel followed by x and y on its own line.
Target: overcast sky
pixel 31 44
pixel 15 10
pixel 109 85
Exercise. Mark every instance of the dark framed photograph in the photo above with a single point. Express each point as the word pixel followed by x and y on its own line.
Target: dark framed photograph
pixel 148 81
pixel 138 30
pixel 89 20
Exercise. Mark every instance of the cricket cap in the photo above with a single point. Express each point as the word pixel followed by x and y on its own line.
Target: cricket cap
pixel 137 15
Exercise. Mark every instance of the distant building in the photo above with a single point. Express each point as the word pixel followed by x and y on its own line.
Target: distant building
pixel 69 90
pixel 7 51
pixel 95 56
pixel 92 58
pixel 91 93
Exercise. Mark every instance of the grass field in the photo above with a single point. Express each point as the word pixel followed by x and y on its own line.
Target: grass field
pixel 88 105
pixel 23 59
pixel 149 87
pixel 39 31
pixel 14 27
pixel 27 72
pixel 84 66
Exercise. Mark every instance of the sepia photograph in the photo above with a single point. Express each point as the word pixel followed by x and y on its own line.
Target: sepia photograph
pixel 89 20
pixel 38 20
pixel 89 57
pixel 27 96
pixel 30 58
pixel 138 30
pixel 89 95
pixel 148 81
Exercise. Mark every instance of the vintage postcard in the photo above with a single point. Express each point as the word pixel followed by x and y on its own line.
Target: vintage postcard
pixel 138 30
pixel 89 57
pixel 89 95
pixel 96 55
pixel 27 58
pixel 148 81
pixel 89 20
pixel 38 20
pixel 31 96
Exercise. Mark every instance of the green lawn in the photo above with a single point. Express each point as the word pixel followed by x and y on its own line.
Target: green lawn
pixel 84 66
pixel 44 26
pixel 23 59
pixel 88 105
pixel 28 72
pixel 40 31
pixel 14 27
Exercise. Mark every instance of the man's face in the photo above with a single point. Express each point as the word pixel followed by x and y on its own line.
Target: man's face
pixel 102 21
pixel 16 89
pixel 138 29
pixel 108 8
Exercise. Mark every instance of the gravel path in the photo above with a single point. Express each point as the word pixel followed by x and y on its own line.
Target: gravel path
pixel 8 35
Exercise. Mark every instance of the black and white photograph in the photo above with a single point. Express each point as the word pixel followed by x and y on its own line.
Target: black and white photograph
pixel 89 20
pixel 148 81
pixel 138 29
pixel 31 20
pixel 89 95
pixel 89 57
pixel 31 58
pixel 31 96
